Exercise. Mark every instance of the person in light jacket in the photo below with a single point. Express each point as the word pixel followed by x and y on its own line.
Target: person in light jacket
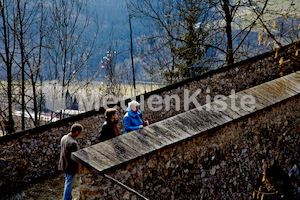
pixel 133 118
pixel 66 164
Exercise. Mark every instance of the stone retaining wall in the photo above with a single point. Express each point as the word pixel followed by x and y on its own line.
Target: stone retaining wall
pixel 224 163
pixel 237 78
pixel 32 154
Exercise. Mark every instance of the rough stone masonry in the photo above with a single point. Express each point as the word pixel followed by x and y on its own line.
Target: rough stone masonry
pixel 223 163
pixel 33 154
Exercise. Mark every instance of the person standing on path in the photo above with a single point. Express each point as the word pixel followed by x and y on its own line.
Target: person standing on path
pixel 66 164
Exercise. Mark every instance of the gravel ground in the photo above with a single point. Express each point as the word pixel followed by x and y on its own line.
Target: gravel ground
pixel 47 189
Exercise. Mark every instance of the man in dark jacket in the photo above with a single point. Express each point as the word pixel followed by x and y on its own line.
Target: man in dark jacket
pixel 66 164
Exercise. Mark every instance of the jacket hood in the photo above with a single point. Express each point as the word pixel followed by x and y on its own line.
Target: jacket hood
pixel 134 114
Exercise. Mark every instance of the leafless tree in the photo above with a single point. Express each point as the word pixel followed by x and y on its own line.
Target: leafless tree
pixel 29 31
pixel 38 36
pixel 68 48
pixel 190 29
pixel 175 32
pixel 8 42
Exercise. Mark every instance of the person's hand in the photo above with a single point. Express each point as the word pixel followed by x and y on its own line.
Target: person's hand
pixel 141 126
pixel 146 123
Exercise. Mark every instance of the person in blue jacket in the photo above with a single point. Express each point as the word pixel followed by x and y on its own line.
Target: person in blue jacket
pixel 133 118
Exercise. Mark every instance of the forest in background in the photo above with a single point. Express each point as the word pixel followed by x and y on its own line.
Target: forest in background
pixel 67 48
pixel 161 32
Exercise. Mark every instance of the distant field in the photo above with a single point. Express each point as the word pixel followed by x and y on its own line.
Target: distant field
pixel 87 96
pixel 275 9
pixel 125 89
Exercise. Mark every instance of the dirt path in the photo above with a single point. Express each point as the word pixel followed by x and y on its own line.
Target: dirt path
pixel 45 190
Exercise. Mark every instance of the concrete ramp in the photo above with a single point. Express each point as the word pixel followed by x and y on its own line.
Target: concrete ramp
pixel 125 148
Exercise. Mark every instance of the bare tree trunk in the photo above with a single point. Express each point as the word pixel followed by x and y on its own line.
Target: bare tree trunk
pixel 34 76
pixel 228 18
pixel 132 63
pixel 7 57
pixel 23 61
